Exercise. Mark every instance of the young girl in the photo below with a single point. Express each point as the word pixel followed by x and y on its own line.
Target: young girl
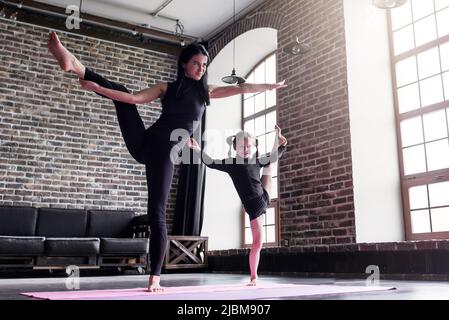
pixel 183 104
pixel 254 191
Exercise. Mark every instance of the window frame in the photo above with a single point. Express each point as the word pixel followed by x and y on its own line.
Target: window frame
pixel 274 203
pixel 423 178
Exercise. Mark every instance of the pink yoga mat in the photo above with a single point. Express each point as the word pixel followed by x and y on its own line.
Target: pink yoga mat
pixel 209 292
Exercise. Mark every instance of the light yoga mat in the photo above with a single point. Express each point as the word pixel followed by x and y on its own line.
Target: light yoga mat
pixel 208 292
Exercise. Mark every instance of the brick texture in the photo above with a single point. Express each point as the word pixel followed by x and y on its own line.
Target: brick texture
pixel 315 174
pixel 61 146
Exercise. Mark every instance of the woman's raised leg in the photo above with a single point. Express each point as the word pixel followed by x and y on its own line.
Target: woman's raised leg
pixel 130 122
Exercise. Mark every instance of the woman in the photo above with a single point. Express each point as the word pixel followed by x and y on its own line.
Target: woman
pixel 183 103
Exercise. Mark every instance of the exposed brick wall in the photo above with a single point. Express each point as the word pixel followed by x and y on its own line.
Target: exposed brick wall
pixel 61 146
pixel 315 178
pixel 419 260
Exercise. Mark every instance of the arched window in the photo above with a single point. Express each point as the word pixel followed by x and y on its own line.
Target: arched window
pixel 259 117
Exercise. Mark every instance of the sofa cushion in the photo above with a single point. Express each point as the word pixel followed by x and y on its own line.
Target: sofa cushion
pixel 20 246
pixel 61 223
pixel 110 224
pixel 18 221
pixel 124 246
pixel 72 246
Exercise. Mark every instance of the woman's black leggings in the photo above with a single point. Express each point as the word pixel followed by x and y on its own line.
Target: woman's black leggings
pixel 155 154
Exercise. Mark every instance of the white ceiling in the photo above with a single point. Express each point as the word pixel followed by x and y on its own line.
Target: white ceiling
pixel 201 18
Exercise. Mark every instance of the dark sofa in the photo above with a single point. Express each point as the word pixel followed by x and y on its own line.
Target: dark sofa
pixel 50 238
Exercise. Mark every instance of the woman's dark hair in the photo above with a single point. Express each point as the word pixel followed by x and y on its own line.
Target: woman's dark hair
pixel 186 54
pixel 232 141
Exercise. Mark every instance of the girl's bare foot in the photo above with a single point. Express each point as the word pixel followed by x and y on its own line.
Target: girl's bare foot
pixel 66 60
pixel 153 284
pixel 252 283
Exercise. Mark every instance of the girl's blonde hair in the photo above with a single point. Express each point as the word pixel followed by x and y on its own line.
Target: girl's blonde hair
pixel 232 141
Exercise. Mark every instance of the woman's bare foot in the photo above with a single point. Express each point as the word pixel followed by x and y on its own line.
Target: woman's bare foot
pixel 66 60
pixel 153 284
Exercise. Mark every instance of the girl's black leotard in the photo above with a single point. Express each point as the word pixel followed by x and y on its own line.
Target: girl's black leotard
pixel 245 174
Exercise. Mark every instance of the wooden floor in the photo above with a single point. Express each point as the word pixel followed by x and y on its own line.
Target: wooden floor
pixel 12 285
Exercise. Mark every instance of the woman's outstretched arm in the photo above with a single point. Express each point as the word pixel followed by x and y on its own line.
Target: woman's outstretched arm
pixel 227 91
pixel 144 96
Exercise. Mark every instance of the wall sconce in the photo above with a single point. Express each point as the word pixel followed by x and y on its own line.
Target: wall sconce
pixel 296 47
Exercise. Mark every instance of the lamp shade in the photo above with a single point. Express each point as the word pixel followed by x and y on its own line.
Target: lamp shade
pixel 233 78
pixel 388 4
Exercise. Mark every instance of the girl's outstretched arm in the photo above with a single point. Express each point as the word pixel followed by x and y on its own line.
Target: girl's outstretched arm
pixel 208 161
pixel 227 91
pixel 144 96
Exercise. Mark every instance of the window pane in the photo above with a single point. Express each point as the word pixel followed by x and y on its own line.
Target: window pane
pixel 428 63
pixel 260 102
pixel 425 30
pixel 431 91
pixel 440 219
pixel 271 234
pixel 264 234
pixel 270 216
pixel 411 132
pixel 422 8
pixel 414 160
pixel 440 4
pixel 260 125
pixel 403 40
pixel 439 194
pixel 401 16
pixel 247 225
pixel 444 54
pixel 406 71
pixel 408 98
pixel 446 85
pixel 435 125
pixel 248 107
pixel 437 155
pixel 262 145
pixel 248 236
pixel 420 221
pixel 274 187
pixel 418 197
pixel 249 126
pixel 271 121
pixel 260 74
pixel 270 141
pixel 249 79
pixel 443 22
pixel 271 98
pixel 270 65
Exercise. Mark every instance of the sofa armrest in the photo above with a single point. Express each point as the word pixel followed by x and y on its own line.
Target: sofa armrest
pixel 140 226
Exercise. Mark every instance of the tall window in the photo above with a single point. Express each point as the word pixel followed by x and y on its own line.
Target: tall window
pixel 259 119
pixel 420 55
